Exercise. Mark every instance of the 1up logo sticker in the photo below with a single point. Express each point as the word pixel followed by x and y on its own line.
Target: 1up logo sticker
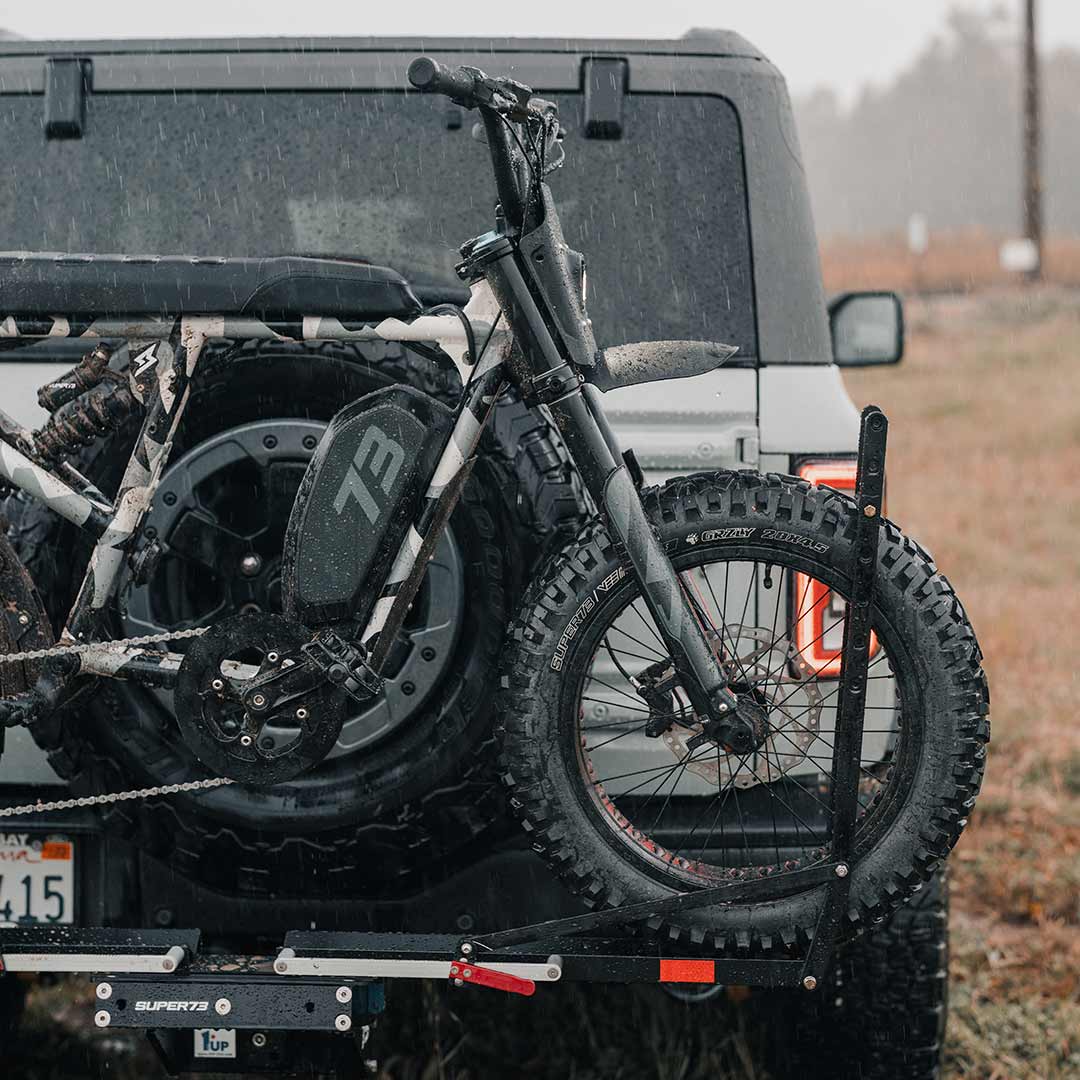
pixel 215 1042
pixel 380 458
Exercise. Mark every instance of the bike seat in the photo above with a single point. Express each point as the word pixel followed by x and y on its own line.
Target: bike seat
pixel 281 286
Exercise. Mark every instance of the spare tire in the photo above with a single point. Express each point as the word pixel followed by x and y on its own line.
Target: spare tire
pixel 409 784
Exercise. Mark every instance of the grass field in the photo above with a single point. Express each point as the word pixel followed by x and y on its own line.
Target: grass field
pixel 985 471
pixel 962 260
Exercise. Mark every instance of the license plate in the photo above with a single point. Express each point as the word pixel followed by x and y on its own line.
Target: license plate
pixel 37 879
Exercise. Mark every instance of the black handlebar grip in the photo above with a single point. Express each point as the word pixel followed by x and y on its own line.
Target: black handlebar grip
pixel 431 77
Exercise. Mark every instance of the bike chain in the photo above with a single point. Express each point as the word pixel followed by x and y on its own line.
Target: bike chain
pixel 40 807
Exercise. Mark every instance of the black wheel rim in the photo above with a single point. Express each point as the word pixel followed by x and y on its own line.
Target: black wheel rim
pixel 705 815
pixel 220 514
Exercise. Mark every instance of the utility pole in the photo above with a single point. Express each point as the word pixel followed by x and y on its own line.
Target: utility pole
pixel 1033 220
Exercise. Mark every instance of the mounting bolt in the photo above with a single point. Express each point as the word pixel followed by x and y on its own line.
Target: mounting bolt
pixel 721 707
pixel 246 740
pixel 466 948
pixel 870 511
pixel 23 618
pixel 258 701
pixel 281 967
pixel 223 1006
pixel 272 658
pixel 342 1022
pixel 554 973
pixel 217 684
pixel 250 565
pixel 258 1040
pixel 343 994
pixel 102 1018
pixel 169 498
pixel 301 713
pixel 104 991
pixel 809 983
pixel 842 869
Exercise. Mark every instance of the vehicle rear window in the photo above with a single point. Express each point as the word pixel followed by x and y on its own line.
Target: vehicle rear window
pixel 661 213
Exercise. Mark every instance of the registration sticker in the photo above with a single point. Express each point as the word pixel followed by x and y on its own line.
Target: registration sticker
pixel 37 879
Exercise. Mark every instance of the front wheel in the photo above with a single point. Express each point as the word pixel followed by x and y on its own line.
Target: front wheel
pixel 628 805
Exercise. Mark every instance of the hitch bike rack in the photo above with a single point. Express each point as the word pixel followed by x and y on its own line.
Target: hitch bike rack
pixel 328 981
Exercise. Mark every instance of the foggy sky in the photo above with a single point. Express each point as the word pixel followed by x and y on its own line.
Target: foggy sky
pixel 840 43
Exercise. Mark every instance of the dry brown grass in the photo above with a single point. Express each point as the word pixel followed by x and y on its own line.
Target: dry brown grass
pixel 985 470
pixel 957 261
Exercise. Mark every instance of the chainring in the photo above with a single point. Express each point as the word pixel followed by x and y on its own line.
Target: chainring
pixel 294 732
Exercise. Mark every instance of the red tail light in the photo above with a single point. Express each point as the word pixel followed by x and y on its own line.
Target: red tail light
pixel 817 613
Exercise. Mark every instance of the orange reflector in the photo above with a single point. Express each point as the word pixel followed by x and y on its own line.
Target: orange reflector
pixel 818 617
pixel 688 971
pixel 60 850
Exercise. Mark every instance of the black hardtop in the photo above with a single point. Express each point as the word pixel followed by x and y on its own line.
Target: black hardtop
pixel 695 43
pixel 724 167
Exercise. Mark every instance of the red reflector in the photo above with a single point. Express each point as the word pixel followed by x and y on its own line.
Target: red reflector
pixel 819 620
pixel 688 971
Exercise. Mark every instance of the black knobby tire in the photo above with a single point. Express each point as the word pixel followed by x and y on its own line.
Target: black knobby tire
pixel 430 791
pixel 881 1010
pixel 24 626
pixel 928 786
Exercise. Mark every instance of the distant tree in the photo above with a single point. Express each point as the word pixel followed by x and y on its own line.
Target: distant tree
pixel 944 138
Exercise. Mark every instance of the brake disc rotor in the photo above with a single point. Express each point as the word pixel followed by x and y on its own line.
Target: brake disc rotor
pixel 296 725
pixel 791 701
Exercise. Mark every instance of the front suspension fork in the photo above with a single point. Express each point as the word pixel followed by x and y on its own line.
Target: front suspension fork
pixel 596 453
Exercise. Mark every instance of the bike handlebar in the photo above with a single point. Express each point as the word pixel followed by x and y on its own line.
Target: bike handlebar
pixel 431 77
pixel 501 102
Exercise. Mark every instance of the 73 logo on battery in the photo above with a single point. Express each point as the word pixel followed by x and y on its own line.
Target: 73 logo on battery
pixel 381 458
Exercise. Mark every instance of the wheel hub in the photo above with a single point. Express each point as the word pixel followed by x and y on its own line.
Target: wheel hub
pixel 781 703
